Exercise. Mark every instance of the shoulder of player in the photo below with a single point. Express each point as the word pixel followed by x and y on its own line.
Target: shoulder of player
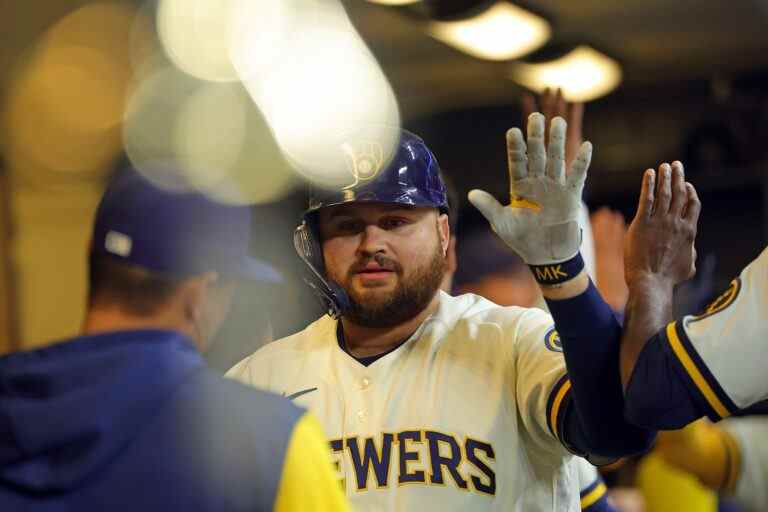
pixel 475 308
pixel 300 344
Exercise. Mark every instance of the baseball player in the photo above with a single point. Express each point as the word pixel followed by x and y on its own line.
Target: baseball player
pixel 451 403
pixel 127 416
pixel 710 364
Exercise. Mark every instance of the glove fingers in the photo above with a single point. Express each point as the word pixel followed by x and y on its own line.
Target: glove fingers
pixel 486 203
pixel 578 173
pixel 517 159
pixel 536 153
pixel 556 150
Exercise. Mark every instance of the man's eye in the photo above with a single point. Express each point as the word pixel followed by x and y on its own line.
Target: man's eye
pixel 394 223
pixel 348 226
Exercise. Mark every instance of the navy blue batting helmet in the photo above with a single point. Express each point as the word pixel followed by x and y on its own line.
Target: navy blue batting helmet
pixel 410 177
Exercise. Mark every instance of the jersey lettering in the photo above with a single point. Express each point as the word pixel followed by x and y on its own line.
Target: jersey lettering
pixel 425 457
pixel 372 459
pixel 472 447
pixel 406 455
pixel 438 460
pixel 550 273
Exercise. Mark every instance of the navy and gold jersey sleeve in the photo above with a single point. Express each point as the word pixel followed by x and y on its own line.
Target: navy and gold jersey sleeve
pixel 542 387
pixel 667 389
pixel 557 404
pixel 711 364
pixel 726 343
pixel 713 400
pixel 594 498
pixel 723 348
pixel 593 492
pixel 308 481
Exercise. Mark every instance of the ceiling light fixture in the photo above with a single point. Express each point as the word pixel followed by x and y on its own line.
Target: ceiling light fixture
pixel 583 74
pixel 501 32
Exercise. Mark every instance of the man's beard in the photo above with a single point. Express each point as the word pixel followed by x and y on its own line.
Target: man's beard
pixel 409 298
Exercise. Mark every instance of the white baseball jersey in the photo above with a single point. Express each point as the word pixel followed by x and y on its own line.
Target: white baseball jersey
pixel 750 458
pixel 723 349
pixel 462 416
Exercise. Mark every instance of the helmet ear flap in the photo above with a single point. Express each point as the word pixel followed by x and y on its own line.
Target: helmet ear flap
pixel 307 244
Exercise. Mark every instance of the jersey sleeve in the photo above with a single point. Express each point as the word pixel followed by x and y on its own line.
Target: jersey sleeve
pixel 593 492
pixel 248 372
pixel 722 349
pixel 542 387
pixel 308 481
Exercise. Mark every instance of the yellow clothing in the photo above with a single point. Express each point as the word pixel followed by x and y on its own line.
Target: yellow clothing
pixel 308 481
pixel 667 489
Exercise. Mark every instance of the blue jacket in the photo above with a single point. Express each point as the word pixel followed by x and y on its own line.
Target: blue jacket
pixel 135 421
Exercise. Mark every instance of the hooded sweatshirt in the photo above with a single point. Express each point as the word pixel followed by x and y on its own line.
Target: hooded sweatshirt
pixel 134 420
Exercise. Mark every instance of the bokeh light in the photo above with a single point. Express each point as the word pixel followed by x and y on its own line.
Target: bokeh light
pixel 325 89
pixel 503 31
pixel 583 74
pixel 182 133
pixel 196 35
pixel 150 121
pixel 65 105
pixel 227 150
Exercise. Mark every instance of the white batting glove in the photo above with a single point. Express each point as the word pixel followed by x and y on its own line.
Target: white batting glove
pixel 541 221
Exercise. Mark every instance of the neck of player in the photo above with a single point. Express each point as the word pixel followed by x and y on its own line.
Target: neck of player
pixel 363 341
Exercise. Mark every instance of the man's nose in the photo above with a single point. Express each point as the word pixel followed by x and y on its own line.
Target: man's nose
pixel 372 240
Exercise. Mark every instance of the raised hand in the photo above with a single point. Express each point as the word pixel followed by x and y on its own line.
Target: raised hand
pixel 608 232
pixel 552 104
pixel 540 222
pixel 660 240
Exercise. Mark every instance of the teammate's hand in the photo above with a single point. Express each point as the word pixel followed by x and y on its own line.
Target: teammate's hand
pixel 660 240
pixel 553 104
pixel 608 232
pixel 540 223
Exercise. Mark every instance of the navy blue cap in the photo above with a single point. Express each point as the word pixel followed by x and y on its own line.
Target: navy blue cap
pixel 176 234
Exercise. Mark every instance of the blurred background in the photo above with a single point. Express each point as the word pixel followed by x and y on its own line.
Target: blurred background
pixel 244 97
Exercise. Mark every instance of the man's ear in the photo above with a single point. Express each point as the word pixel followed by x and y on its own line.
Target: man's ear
pixel 451 261
pixel 193 294
pixel 444 230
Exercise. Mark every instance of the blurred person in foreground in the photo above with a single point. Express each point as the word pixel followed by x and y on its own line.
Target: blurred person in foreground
pixel 127 416
pixel 452 403
pixel 730 457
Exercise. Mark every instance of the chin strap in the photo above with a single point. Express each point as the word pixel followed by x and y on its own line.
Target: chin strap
pixel 333 298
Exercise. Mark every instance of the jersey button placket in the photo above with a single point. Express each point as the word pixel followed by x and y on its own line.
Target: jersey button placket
pixel 363 383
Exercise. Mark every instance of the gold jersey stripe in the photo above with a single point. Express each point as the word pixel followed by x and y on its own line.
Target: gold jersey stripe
pixel 694 372
pixel 556 406
pixel 592 496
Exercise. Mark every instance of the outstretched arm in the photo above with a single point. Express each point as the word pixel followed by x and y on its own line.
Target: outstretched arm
pixel 660 253
pixel 541 225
